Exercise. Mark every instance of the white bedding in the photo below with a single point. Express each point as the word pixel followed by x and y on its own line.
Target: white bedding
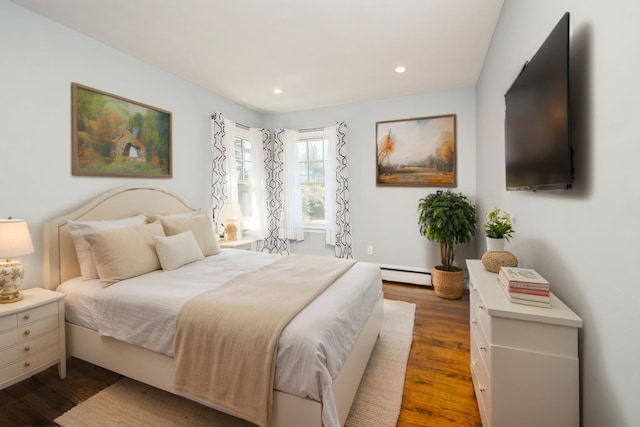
pixel 311 350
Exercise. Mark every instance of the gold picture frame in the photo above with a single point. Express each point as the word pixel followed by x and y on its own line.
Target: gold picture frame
pixel 417 152
pixel 115 136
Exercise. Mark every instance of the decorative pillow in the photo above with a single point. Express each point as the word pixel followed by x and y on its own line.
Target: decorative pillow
pixel 78 229
pixel 126 252
pixel 177 250
pixel 201 227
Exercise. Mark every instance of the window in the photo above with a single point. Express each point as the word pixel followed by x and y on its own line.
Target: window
pixel 244 170
pixel 312 161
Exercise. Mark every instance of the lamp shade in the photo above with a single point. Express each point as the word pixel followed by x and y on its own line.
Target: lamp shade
pixel 231 211
pixel 15 239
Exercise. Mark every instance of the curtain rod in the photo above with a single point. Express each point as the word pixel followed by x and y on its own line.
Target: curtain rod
pixel 245 127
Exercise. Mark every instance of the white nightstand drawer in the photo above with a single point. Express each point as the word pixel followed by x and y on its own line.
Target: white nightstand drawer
pixel 9 338
pixel 34 330
pixel 30 364
pixel 18 352
pixel 35 314
pixel 8 322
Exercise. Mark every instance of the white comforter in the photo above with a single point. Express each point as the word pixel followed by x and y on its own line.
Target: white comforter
pixel 311 350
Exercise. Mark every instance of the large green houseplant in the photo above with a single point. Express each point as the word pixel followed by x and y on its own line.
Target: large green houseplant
pixel 449 219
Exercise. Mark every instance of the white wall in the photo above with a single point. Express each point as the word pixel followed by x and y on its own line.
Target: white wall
pixel 387 217
pixel 40 59
pixel 583 240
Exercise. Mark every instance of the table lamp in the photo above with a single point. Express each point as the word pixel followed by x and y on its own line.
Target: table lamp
pixel 231 216
pixel 15 240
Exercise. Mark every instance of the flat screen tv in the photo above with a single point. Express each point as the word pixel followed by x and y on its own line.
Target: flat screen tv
pixel 538 149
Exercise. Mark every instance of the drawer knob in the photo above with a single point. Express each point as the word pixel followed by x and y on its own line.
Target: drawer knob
pixel 481 388
pixel 27 332
pixel 482 347
pixel 474 321
pixel 27 348
pixel 481 307
pixel 27 364
pixel 27 316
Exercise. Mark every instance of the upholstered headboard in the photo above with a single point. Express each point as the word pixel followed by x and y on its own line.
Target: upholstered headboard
pixel 60 259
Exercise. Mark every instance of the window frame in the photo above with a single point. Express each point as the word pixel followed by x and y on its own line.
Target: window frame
pixel 308 136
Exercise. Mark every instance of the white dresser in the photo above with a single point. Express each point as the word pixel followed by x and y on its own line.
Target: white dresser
pixel 32 336
pixel 524 360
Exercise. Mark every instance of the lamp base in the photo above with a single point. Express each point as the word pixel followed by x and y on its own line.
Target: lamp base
pixel 9 298
pixel 11 278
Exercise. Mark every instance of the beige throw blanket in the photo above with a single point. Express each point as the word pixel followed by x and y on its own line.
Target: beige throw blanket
pixel 226 339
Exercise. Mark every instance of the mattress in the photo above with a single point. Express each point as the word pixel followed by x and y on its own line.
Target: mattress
pixel 311 350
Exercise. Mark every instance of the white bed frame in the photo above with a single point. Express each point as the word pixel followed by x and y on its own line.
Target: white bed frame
pixel 61 263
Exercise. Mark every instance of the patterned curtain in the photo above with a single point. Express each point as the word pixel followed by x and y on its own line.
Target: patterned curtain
pixel 274 167
pixel 339 221
pixel 218 167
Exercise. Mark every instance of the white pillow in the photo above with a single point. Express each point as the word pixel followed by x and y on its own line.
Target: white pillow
pixel 177 250
pixel 200 226
pixel 78 229
pixel 125 252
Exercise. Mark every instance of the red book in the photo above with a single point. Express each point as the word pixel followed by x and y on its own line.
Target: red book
pixel 529 291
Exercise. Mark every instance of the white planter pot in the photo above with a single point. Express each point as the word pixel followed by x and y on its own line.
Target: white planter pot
pixel 495 244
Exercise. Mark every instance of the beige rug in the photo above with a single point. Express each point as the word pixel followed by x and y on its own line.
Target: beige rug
pixel 132 404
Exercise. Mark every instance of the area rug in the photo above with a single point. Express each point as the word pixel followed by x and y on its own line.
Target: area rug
pixel 129 403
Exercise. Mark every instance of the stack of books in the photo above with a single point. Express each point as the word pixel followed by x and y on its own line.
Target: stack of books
pixel 525 286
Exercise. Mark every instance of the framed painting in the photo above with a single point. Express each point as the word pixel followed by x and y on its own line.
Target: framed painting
pixel 418 152
pixel 115 136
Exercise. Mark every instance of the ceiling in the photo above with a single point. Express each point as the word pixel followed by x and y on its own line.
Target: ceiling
pixel 319 53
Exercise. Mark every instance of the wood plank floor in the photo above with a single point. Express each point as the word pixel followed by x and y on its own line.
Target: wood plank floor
pixel 438 390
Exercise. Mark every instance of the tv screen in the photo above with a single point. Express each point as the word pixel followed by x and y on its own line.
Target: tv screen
pixel 537 121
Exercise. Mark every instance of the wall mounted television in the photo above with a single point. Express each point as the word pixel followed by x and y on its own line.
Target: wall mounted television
pixel 538 151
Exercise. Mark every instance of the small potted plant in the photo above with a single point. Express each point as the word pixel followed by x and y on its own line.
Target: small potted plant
pixel 448 219
pixel 498 228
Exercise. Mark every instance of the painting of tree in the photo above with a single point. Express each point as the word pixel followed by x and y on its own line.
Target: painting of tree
pixel 417 152
pixel 114 136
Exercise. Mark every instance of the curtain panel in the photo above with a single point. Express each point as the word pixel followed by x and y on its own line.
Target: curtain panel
pixel 224 174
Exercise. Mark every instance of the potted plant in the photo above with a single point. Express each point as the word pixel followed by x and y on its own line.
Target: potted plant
pixel 449 219
pixel 498 228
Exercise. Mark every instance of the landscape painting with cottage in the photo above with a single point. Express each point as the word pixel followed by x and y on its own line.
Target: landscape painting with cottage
pixel 114 136
pixel 417 152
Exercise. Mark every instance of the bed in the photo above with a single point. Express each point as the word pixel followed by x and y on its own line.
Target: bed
pixel 156 366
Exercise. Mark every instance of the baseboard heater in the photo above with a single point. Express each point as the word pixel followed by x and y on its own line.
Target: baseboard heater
pixel 413 275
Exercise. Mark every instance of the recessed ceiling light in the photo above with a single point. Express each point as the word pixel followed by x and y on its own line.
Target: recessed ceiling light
pixel 401 69
pixel 277 91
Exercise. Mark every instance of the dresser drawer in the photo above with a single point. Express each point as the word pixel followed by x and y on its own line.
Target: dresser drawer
pixel 34 330
pixel 30 364
pixel 482 347
pixel 8 322
pixel 482 387
pixel 478 313
pixel 37 313
pixel 28 349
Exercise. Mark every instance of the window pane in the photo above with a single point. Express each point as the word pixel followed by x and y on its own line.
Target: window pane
pixel 304 172
pixel 315 150
pixel 302 151
pixel 237 144
pixel 244 199
pixel 239 170
pixel 313 203
pixel 316 172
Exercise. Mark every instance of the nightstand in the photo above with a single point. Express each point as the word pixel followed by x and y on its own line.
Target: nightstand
pixel 237 244
pixel 32 336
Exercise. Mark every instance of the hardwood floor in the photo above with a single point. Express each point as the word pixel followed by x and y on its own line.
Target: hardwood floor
pixel 438 390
